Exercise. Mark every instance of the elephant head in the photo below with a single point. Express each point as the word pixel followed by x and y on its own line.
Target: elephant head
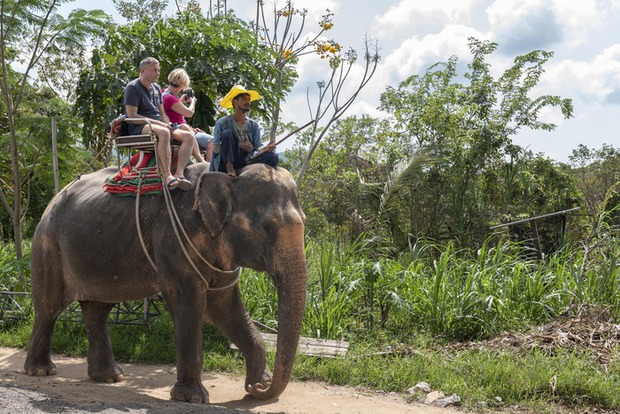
pixel 259 212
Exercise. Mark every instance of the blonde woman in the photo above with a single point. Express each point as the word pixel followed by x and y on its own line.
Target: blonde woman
pixel 178 108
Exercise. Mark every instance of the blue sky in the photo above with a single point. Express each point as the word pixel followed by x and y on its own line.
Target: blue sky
pixel 414 34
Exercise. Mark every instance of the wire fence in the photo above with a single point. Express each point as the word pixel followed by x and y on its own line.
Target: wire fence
pixel 16 307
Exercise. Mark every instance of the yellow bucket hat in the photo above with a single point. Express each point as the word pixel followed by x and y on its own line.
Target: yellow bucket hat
pixel 238 90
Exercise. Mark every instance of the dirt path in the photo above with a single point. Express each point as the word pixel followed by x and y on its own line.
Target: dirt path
pixel 146 390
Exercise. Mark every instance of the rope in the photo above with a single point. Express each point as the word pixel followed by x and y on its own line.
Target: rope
pixel 137 215
pixel 189 241
pixel 176 223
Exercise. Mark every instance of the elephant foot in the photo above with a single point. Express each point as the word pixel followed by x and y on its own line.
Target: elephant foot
pixel 110 375
pixel 185 393
pixel 40 370
pixel 261 383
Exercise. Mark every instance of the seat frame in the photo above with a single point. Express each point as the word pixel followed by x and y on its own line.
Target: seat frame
pixel 142 143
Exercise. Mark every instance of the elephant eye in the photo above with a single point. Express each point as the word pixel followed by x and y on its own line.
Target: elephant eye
pixel 269 227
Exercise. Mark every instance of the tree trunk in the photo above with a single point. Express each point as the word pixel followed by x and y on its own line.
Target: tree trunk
pixel 17 192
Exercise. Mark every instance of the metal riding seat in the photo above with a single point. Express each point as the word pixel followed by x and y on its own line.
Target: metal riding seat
pixel 143 144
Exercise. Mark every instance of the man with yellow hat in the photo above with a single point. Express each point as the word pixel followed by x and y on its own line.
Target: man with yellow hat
pixel 236 138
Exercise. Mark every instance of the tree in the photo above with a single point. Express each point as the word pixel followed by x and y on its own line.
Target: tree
pixel 466 129
pixel 141 9
pixel 596 171
pixel 288 43
pixel 355 149
pixel 332 102
pixel 30 30
pixel 216 53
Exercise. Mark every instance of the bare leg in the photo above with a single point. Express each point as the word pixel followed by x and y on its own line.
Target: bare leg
pixel 187 141
pixel 208 152
pixel 163 150
pixel 196 153
pixel 196 149
pixel 230 169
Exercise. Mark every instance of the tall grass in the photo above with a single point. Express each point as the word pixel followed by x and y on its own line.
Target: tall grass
pixel 449 293
pixel 452 294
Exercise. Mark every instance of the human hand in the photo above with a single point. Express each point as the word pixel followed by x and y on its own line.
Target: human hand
pixel 270 147
pixel 246 146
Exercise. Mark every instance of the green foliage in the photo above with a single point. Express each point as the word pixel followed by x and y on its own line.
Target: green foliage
pixel 611 206
pixel 140 9
pixel 14 272
pixel 33 128
pixel 330 309
pixel 444 167
pixel 452 294
pixel 596 172
pixel 217 53
pixel 260 297
pixel 32 33
pixel 466 129
pixel 355 151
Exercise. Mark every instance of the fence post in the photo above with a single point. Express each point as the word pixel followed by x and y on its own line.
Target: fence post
pixel 536 238
pixel 55 156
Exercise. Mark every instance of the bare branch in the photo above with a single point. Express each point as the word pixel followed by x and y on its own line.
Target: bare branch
pixel 5 200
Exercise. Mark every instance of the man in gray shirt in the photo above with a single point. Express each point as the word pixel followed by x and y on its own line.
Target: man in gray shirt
pixel 143 99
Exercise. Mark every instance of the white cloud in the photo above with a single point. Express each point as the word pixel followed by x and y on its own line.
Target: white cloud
pixel 596 81
pixel 416 54
pixel 523 25
pixel 578 18
pixel 410 15
pixel 246 9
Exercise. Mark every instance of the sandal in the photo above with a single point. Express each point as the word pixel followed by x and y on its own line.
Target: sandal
pixel 172 184
pixel 183 184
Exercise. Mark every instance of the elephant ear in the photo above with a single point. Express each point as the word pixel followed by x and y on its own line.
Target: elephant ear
pixel 213 199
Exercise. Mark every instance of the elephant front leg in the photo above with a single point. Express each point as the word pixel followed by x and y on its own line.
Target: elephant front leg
pixel 187 313
pixel 225 311
pixel 101 364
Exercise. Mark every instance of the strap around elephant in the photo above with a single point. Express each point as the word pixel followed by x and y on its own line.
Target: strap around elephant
pixel 176 224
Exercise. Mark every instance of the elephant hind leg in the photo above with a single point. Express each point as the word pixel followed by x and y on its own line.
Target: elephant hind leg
pixel 38 362
pixel 46 312
pixel 101 364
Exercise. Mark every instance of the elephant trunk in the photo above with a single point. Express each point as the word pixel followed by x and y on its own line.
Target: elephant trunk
pixel 290 277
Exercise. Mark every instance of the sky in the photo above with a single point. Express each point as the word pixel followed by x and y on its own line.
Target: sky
pixel 415 34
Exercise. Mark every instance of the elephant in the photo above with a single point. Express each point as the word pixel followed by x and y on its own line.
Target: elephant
pixel 88 248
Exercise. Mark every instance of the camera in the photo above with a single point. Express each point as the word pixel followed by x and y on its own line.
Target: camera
pixel 189 93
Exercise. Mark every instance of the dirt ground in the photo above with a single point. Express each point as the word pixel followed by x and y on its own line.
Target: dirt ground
pixel 146 390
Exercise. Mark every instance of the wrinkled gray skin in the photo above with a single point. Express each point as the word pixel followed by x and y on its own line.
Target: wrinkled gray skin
pixel 86 249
